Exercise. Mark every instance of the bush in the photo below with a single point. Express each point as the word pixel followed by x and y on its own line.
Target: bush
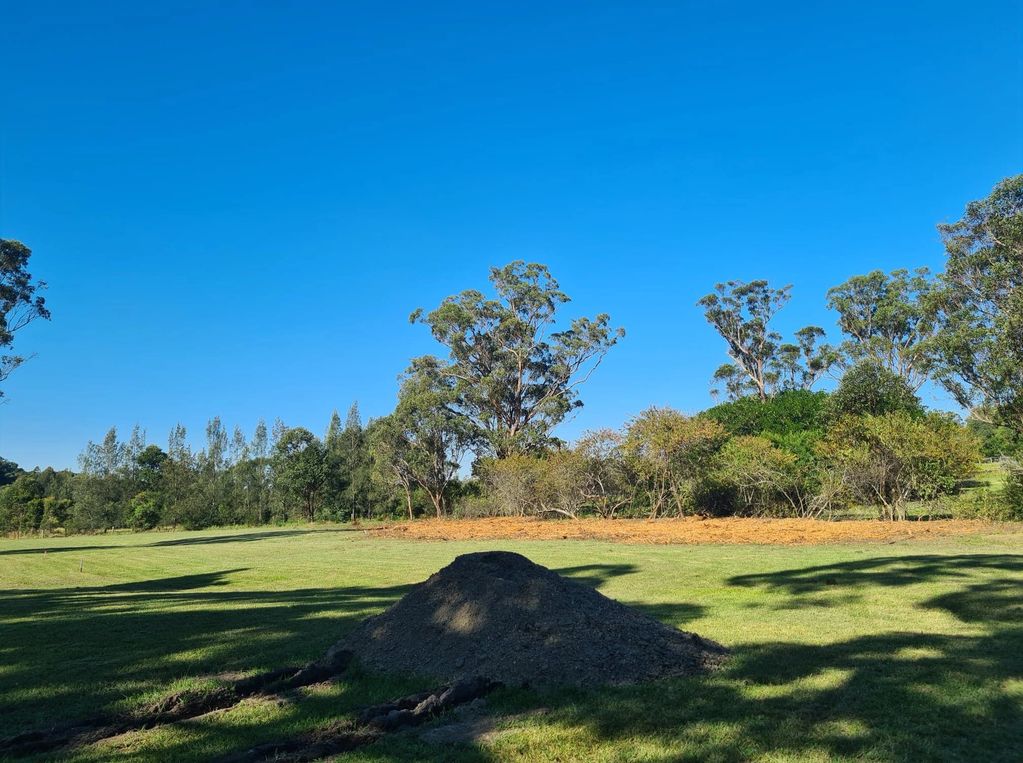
pixel 671 454
pixel 888 460
pixel 789 412
pixel 143 511
pixel 758 474
pixel 996 441
pixel 990 505
pixel 869 388
pixel 1013 496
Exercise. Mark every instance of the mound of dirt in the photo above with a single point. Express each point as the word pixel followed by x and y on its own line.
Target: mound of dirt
pixel 498 615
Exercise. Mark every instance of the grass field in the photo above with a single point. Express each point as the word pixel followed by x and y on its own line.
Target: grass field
pixel 900 650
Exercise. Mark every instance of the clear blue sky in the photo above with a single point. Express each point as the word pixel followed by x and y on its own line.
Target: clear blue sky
pixel 237 204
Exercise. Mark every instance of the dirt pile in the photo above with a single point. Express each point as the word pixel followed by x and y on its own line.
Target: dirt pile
pixel 498 615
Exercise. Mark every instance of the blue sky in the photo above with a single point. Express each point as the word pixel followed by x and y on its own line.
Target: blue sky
pixel 237 205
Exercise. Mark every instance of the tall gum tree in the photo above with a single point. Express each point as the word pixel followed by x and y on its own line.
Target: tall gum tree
pixel 979 346
pixel 515 376
pixel 20 301
pixel 762 364
pixel 889 318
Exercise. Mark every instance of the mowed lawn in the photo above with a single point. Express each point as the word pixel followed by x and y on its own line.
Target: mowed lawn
pixel 902 651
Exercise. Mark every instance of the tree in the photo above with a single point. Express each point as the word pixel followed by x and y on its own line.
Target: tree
pixel 425 439
pixel 788 412
pixel 887 460
pixel 608 480
pixel 336 466
pixel 298 467
pixel 670 453
pixel 9 471
pixel 800 366
pixel 355 464
pixel 101 491
pixel 389 451
pixel 741 313
pixel 761 476
pixel 20 302
pixel 259 450
pixel 979 345
pixel 514 376
pixel 871 388
pixel 889 319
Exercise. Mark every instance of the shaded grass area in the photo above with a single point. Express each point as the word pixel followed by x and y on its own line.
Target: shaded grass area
pixel 905 651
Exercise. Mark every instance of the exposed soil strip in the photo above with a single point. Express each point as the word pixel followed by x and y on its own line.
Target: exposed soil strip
pixel 731 530
pixel 176 707
pixel 373 722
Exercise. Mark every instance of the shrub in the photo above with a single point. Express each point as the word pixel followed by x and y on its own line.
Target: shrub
pixel 789 412
pixel 670 453
pixel 758 474
pixel 887 460
pixel 1013 496
pixel 143 511
pixel 608 479
pixel 869 388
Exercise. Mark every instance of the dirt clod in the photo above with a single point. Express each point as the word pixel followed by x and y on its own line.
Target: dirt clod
pixel 498 615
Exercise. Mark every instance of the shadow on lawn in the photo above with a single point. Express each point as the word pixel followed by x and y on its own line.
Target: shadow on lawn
pixel 892 695
pixel 197 540
pixel 901 696
pixel 71 652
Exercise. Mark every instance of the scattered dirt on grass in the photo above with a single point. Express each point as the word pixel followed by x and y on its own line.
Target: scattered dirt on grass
pixel 688 530
pixel 372 723
pixel 176 707
pixel 497 614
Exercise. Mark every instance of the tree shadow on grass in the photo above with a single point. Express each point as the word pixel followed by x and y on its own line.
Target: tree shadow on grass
pixel 900 696
pixel 884 571
pixel 75 652
pixel 893 695
pixel 247 537
pixel 595 575
pixel 196 540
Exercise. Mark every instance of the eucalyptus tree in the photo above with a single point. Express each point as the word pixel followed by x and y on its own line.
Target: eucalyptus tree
pixel 20 301
pixel 298 464
pixel 513 374
pixel 762 363
pixel 889 319
pixel 354 463
pixel 101 490
pixel 979 346
pixel 425 440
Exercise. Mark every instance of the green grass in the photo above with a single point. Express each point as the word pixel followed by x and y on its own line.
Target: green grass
pixel 906 652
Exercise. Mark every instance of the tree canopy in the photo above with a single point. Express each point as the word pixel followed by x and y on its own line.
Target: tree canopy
pixel 889 318
pixel 980 343
pixel 514 376
pixel 762 363
pixel 20 301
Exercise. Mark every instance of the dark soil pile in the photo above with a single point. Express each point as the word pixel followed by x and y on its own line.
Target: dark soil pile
pixel 498 615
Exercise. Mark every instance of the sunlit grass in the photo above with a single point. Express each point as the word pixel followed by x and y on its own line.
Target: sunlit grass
pixel 904 651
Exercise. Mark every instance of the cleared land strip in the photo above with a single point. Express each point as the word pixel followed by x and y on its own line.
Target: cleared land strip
pixel 690 530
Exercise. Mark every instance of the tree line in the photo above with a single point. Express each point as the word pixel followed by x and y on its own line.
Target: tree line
pixel 473 430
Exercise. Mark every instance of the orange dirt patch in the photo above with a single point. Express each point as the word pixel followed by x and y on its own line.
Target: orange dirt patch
pixel 687 530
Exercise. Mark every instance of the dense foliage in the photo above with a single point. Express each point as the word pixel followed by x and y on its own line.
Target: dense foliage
pixel 20 301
